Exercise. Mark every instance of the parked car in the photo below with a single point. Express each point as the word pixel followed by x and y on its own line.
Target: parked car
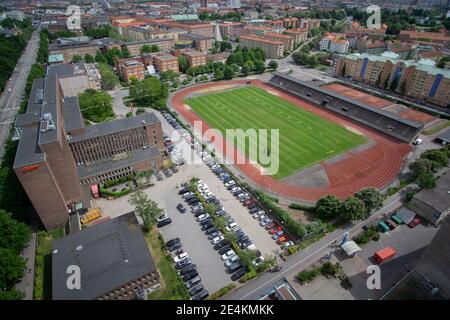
pixel 207 225
pixel 181 208
pixel 258 261
pixel 194 290
pixel 190 275
pixel 223 250
pixel 202 217
pixel 392 225
pixel 179 257
pixel 275 230
pixel 172 241
pixel 231 260
pixel 214 235
pixel 287 244
pixel 238 274
pixel 174 247
pixel 231 226
pixel 164 222
pixel 414 222
pixel 189 284
pixel 183 190
pixel 221 244
pixel 277 235
pixel 183 263
pixel 228 254
pixel 270 225
pixel 265 222
pixel 217 239
pixel 282 239
pixel 188 269
pixel 234 267
pixel 201 295
pixel 210 230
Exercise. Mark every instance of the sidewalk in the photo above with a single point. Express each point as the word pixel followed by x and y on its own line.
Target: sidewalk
pixel 26 284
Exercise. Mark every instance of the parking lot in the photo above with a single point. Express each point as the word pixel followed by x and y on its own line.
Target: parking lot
pixel 185 226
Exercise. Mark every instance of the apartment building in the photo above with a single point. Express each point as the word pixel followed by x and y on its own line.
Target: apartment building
pixel 335 44
pixel 420 80
pixel 426 37
pixel 204 29
pixel 306 23
pixel 195 58
pixel 255 30
pixel 201 42
pixel 130 68
pixel 57 154
pixel 164 44
pixel 166 62
pixel 287 40
pixel 298 34
pixel 152 32
pixel 273 49
pixel 231 30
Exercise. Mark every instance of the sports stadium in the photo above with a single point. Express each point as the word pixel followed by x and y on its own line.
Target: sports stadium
pixel 331 142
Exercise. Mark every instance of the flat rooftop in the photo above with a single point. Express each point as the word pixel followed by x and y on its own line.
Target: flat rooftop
pixel 72 115
pixel 109 127
pixel 109 255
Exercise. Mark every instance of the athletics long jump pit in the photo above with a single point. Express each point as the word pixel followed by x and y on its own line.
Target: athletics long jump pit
pixel 320 152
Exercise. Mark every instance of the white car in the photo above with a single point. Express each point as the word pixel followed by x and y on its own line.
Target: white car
pixel 232 260
pixel 202 217
pixel 233 190
pixel 230 183
pixel 217 240
pixel 258 261
pixel 242 195
pixel 208 194
pixel 180 257
pixel 227 255
pixel 288 244
pixel 231 226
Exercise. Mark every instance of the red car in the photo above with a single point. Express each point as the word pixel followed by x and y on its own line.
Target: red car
pixel 248 202
pixel 414 223
pixel 275 230
pixel 271 225
pixel 282 239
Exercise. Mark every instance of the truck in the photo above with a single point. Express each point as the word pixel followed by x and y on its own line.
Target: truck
pixel 91 215
pixel 384 254
pixel 94 191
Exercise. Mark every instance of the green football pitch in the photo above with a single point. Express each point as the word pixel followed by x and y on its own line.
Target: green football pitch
pixel 305 138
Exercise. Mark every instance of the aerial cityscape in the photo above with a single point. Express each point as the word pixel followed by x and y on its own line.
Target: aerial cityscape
pixel 230 150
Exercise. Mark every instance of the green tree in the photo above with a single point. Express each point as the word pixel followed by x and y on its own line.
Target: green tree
pixel 145 48
pixel 352 209
pixel 77 58
pixel 225 45
pixel 109 78
pixel 100 57
pixel 372 199
pixel 154 48
pixel 328 207
pixel 273 64
pixel 259 66
pixel 12 267
pixel 13 234
pixel 95 105
pixel 124 53
pixel 246 69
pixel 218 75
pixel 12 294
pixel 88 58
pixel 420 166
pixel 438 158
pixel 183 64
pixel 168 75
pixel 145 208
pixel 228 73
pixel 426 180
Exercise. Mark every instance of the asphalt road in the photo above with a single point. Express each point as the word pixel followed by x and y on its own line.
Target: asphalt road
pixel 312 253
pixel 10 101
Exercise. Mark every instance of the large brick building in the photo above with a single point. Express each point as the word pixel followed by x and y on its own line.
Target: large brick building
pixel 272 48
pixel 56 152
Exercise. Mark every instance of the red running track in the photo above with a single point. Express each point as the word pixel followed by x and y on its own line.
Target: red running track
pixel 375 166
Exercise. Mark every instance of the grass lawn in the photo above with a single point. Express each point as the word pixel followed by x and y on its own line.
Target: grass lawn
pixel 305 138
pixel 435 129
pixel 172 286
pixel 43 264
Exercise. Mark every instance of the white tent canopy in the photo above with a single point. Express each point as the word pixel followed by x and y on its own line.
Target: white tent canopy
pixel 350 248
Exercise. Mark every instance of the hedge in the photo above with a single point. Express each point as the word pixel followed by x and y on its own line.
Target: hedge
pixel 297 206
pixel 117 194
pixel 221 292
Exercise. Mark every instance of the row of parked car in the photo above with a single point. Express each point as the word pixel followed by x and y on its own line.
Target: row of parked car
pixel 187 270
pixel 223 246
pixel 257 212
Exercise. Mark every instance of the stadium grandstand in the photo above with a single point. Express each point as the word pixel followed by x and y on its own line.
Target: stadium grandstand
pixel 381 120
